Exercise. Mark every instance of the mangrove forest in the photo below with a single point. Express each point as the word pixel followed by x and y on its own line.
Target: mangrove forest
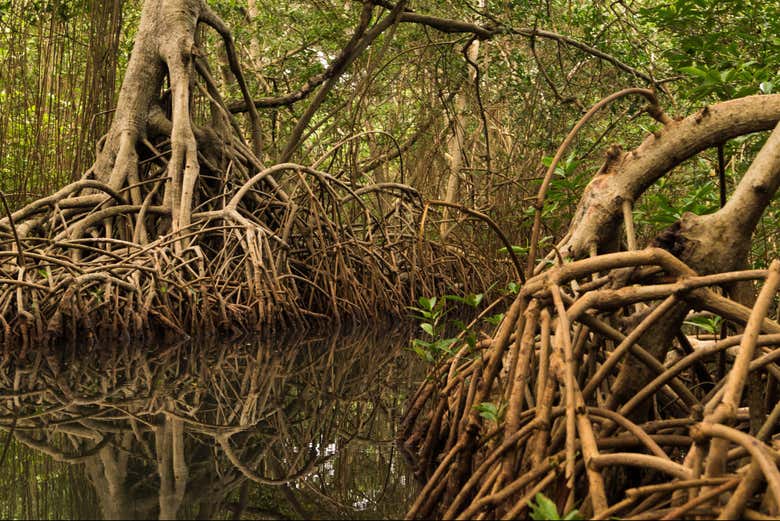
pixel 384 259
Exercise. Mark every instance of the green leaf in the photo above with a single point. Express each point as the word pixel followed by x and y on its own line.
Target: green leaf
pixel 427 303
pixel 517 250
pixel 495 320
pixel 474 300
pixel 455 298
pixel 488 410
pixel 543 508
pixel 423 353
pixel 694 71
pixel 428 328
pixel 445 345
pixel 708 324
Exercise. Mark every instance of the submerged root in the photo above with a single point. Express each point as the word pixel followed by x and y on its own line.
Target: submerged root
pixel 689 442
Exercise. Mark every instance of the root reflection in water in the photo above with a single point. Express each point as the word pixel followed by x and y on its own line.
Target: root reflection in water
pixel 272 430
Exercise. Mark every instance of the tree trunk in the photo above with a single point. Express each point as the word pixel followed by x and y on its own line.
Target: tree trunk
pixel 455 142
pixel 164 47
pixel 180 225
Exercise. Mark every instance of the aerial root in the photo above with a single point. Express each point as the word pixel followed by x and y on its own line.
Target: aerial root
pixel 179 224
pixel 683 444
pixel 73 265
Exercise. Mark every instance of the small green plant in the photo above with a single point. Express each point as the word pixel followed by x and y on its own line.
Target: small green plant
pixel 491 411
pixel 542 507
pixel 708 324
pixel 431 312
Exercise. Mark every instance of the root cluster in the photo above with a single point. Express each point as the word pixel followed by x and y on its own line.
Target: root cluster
pixel 78 263
pixel 696 439
pixel 180 224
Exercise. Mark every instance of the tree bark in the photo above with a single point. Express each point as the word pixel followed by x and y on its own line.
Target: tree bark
pixel 598 216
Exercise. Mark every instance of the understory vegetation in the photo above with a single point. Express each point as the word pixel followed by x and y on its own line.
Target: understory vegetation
pixel 574 201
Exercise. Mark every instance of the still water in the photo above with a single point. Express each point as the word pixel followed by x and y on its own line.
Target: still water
pixel 231 430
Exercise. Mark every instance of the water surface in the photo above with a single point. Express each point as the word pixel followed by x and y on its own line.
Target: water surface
pixel 251 429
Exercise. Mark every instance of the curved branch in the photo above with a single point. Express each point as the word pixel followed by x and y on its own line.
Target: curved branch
pixel 490 222
pixel 760 453
pixel 655 112
pixel 532 32
pixel 600 210
pixel 334 69
pixel 224 443
pixel 359 43
pixel 644 461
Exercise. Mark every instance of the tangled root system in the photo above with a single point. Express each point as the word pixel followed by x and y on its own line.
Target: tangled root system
pixel 179 224
pixel 73 264
pixel 696 438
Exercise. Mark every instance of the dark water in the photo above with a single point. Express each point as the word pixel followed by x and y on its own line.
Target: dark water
pixel 251 429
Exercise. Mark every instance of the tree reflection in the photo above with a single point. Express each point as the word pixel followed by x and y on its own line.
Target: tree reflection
pixel 275 430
